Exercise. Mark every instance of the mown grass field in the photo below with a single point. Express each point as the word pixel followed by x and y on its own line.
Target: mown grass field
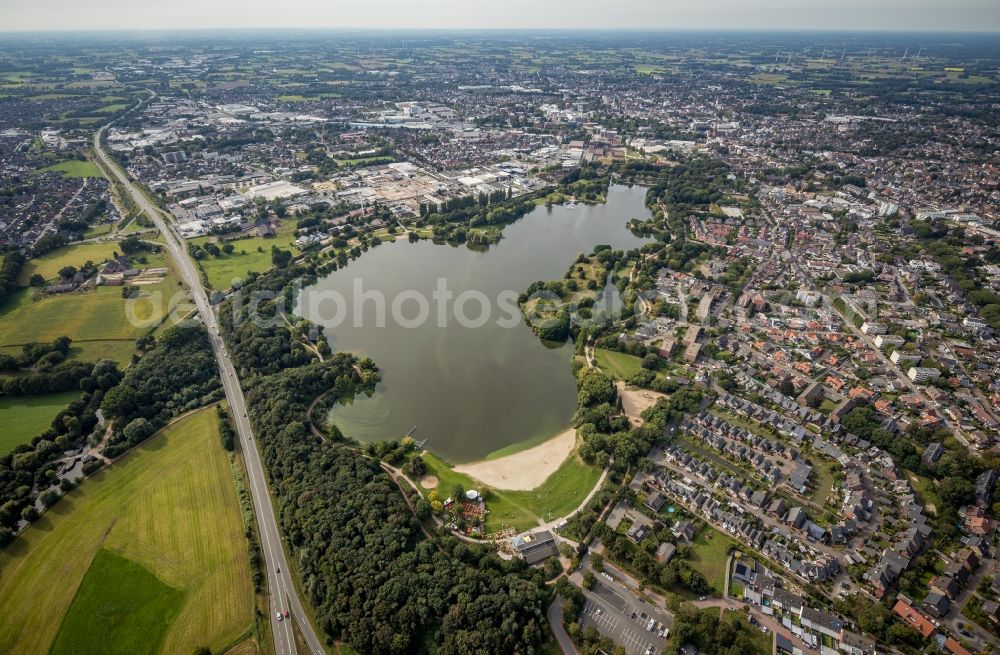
pixel 560 494
pixel 101 323
pixel 618 365
pixel 77 255
pixel 122 598
pixel 74 168
pixel 222 270
pixel 28 416
pixel 170 507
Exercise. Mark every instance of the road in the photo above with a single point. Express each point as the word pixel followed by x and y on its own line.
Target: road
pixel 555 620
pixel 283 595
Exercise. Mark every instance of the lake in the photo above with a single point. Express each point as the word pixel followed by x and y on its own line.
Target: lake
pixel 471 382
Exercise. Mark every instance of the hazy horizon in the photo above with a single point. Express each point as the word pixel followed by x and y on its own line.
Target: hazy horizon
pixel 981 16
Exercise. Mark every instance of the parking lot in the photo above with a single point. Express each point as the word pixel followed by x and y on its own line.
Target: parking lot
pixel 611 614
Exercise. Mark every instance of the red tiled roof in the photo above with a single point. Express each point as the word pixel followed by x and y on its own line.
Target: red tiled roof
pixel 914 618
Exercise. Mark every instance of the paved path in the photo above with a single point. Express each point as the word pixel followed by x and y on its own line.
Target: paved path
pixel 555 615
pixel 283 597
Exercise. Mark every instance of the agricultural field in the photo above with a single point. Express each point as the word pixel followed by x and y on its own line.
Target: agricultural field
pixel 560 494
pixel 128 594
pixel 222 270
pixel 74 168
pixel 25 417
pixel 162 524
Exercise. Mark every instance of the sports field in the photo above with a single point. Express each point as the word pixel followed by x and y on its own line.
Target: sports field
pixel 167 512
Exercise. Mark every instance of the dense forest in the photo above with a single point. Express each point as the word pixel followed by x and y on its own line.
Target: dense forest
pixel 375 581
pixel 9 270
pixel 177 374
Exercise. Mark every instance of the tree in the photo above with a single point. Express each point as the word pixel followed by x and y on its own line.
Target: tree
pixel 50 497
pixel 67 272
pixel 280 258
pixel 131 245
pixel 787 387
pixel 589 581
pixel 36 280
pixel 138 430
pixel 956 492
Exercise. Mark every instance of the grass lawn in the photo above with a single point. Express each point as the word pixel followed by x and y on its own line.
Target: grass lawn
pixel 74 168
pixel 925 489
pixel 709 552
pixel 169 507
pixel 113 108
pixel 560 494
pixel 222 270
pixel 618 365
pixel 122 598
pixel 25 417
pixel 823 483
pixel 77 255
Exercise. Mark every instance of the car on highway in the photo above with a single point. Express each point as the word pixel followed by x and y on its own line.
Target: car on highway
pixel 278 614
pixel 286 616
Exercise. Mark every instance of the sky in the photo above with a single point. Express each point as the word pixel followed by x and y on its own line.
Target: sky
pixel 944 15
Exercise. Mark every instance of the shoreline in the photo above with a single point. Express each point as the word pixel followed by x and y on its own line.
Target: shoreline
pixel 526 469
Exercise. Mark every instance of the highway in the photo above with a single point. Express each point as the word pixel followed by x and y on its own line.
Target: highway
pixel 283 596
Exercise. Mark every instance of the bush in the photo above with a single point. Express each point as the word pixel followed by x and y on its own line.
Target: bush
pixel 50 497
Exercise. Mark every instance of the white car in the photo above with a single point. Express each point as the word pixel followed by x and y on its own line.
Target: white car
pixel 278 614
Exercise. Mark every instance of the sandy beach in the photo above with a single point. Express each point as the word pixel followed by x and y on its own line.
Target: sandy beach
pixel 635 401
pixel 524 470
